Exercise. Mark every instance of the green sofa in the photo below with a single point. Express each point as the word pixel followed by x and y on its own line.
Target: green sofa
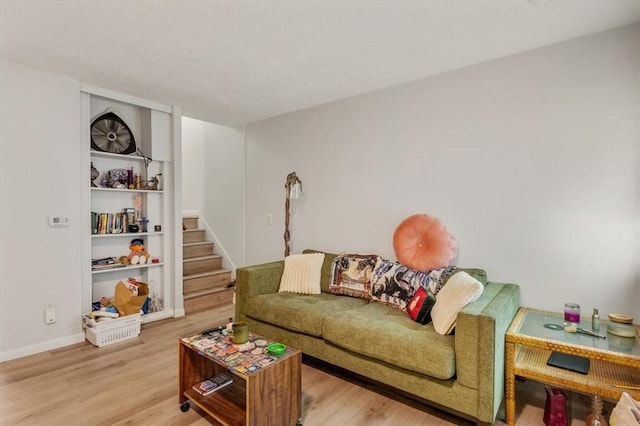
pixel 462 373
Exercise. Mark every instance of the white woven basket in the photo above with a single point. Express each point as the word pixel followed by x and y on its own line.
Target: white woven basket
pixel 112 331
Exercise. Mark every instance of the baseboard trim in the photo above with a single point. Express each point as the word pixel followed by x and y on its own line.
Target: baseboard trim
pixel 41 347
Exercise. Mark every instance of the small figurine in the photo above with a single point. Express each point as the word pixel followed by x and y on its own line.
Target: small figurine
pixel 137 255
pixel 94 175
pixel 156 303
pixel 144 222
pixel 152 184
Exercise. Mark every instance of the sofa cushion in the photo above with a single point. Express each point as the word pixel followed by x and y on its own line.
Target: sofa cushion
pixel 325 276
pixel 302 313
pixel 461 289
pixel 395 284
pixel 301 273
pixel 378 331
pixel 439 277
pixel 422 242
pixel 420 305
pixel 351 275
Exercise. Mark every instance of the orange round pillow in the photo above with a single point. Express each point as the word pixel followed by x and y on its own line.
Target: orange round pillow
pixel 423 242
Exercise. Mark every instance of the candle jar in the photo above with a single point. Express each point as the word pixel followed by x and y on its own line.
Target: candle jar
pixel 240 332
pixel 572 313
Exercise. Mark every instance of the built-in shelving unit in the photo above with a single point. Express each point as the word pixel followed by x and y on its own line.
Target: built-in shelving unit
pixel 153 127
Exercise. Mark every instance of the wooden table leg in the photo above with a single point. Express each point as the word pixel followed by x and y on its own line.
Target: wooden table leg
pixel 510 383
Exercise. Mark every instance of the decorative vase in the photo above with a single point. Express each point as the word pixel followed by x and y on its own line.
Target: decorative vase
pixel 596 418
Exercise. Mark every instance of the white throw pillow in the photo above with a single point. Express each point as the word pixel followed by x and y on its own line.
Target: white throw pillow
pixel 626 411
pixel 460 290
pixel 302 273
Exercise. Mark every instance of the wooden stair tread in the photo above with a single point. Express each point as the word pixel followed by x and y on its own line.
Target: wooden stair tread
pixel 206 274
pixel 197 243
pixel 206 292
pixel 195 259
pixel 206 284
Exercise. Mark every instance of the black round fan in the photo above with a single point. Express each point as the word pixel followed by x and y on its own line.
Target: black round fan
pixel 110 134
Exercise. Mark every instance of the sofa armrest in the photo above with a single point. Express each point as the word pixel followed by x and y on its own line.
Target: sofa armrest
pixel 479 344
pixel 254 280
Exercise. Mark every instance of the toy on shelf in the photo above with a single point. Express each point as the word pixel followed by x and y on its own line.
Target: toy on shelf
pixel 138 255
pixel 153 184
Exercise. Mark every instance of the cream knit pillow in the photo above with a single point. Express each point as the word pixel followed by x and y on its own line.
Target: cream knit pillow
pixel 460 290
pixel 302 273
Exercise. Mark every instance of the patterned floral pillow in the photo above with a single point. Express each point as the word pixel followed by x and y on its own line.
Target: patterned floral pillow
pixel 439 277
pixel 351 275
pixel 395 284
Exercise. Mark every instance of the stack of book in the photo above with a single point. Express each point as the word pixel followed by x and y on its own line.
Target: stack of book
pixel 213 384
pixel 111 223
pixel 106 263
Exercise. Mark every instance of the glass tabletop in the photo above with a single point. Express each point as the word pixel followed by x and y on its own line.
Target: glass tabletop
pixel 533 322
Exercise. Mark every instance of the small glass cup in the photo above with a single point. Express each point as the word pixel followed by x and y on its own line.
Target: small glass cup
pixel 240 332
pixel 572 313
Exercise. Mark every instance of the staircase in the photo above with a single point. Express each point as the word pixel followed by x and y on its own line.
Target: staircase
pixel 206 285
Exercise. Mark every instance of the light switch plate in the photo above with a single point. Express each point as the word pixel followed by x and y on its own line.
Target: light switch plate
pixel 49 313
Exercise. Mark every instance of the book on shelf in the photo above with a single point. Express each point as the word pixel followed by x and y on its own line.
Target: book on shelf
pixel 111 223
pixel 130 214
pixel 103 267
pixel 94 222
pixel 104 261
pixel 209 386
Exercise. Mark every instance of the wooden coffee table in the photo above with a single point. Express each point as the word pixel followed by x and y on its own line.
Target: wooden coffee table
pixel 615 361
pixel 266 390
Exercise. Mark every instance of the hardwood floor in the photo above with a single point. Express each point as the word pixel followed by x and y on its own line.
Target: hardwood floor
pixel 136 383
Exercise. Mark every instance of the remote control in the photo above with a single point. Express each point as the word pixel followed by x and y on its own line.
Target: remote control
pixel 222 380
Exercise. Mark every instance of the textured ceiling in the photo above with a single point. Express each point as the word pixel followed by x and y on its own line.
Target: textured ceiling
pixel 235 62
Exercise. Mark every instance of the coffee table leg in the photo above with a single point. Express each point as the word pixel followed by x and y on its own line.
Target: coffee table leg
pixel 510 390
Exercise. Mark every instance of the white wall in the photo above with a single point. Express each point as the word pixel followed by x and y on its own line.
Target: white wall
pixel 193 140
pixel 213 182
pixel 40 176
pixel 532 161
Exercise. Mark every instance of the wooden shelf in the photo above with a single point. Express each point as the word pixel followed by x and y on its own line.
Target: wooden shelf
pixel 225 405
pixel 127 268
pixel 153 191
pixel 532 363
pixel 132 157
pixel 126 234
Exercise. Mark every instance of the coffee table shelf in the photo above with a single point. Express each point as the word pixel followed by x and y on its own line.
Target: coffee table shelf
pixel 226 406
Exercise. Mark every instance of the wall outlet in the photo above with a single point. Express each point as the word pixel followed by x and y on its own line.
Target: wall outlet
pixel 269 219
pixel 49 313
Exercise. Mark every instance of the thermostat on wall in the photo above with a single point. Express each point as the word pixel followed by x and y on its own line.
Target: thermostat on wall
pixel 58 221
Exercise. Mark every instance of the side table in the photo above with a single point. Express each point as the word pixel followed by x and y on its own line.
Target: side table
pixel 266 390
pixel 615 361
